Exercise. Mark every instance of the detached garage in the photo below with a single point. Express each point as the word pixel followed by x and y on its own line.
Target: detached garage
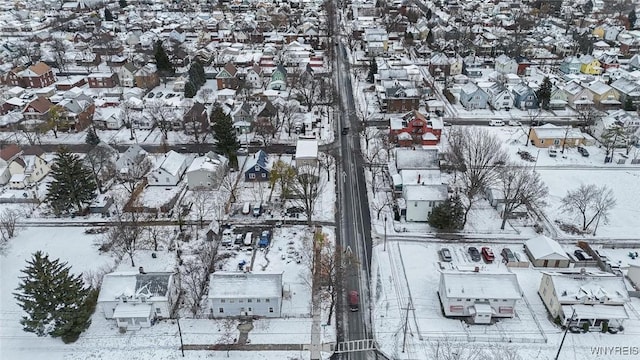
pixel 546 252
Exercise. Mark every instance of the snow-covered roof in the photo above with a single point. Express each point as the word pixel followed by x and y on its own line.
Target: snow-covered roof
pixel 172 163
pixel 424 192
pixel 206 163
pixel 480 285
pixel 307 149
pixel 544 248
pixel 416 158
pixel 596 311
pixel 550 131
pixel 571 288
pixel 132 284
pixel 132 310
pixel 245 285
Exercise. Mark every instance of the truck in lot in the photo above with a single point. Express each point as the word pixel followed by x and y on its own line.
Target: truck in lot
pixel 353 300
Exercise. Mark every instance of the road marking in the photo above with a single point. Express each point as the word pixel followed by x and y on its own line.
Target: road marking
pixel 348 250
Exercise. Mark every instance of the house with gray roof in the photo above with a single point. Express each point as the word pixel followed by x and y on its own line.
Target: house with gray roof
pixel 524 97
pixel 472 97
pixel 169 170
pixel 628 90
pixel 235 294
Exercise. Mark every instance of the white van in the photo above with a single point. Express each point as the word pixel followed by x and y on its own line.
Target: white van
pixel 553 151
pixel 496 123
pixel 246 209
pixel 257 209
pixel 247 239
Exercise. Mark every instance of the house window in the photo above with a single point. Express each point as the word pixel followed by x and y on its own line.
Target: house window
pixel 458 300
pixel 264 175
pixel 415 204
pixel 240 301
pixel 257 300
pixel 158 310
pixel 231 301
pixel 257 168
pixel 270 309
pixel 220 310
pixel 252 176
pixel 556 141
pixel 504 300
pixel 249 300
pixel 266 300
pixel 250 309
pixel 467 299
pixel 223 301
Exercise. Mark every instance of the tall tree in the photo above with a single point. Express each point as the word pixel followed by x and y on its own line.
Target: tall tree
pixel 190 90
pixel 448 216
pixel 544 93
pixel 122 3
pixel 108 16
pixel 373 70
pixel 101 161
pixel 587 7
pixel 225 134
pixel 520 186
pixel 162 59
pixel 92 138
pixel 476 155
pixel 57 115
pixel 72 186
pixel 590 202
pixel 57 302
pixel 632 19
pixel 307 188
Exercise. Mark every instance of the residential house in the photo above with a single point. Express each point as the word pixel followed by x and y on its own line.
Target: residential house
pixel 207 172
pixel 546 252
pixel 400 99
pixel 597 299
pixel 472 97
pixel 147 77
pixel 28 168
pixel 127 75
pixel 243 117
pixel 278 78
pixel 628 121
pixel 76 114
pixel 254 76
pixel 552 135
pixel 604 96
pixel 306 153
pixel 590 65
pixel 70 82
pixel 8 153
pixel 107 118
pixel 456 65
pixel 416 128
pixel 39 75
pixel 227 77
pixel 169 171
pixel 136 300
pixel 196 119
pixel 558 99
pixel 134 155
pixel 419 200
pixel 506 65
pixel 37 109
pixel 235 294
pixel 570 65
pixel 500 97
pixel 258 167
pixel 629 92
pixel 484 296
pixel 578 96
pixel 103 80
pixel 439 66
pixel 524 97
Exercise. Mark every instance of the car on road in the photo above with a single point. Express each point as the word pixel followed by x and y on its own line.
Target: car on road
pixel 353 300
pixel 446 123
pixel 265 239
pixel 487 254
pixel 496 123
pixel 345 130
pixel 537 123
pixel 474 253
pixel 445 255
pixel 514 123
pixel 583 151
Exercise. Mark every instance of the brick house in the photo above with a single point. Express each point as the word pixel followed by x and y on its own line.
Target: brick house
pixel 227 77
pixel 37 109
pixel 400 99
pixel 39 75
pixel 103 80
pixel 414 128
pixel 78 114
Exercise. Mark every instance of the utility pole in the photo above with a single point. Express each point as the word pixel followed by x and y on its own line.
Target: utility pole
pixel 180 333
pixel 406 323
pixel 385 234
pixel 565 334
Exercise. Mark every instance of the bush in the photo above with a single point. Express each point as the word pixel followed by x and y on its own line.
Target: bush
pixel 605 327
pixel 585 326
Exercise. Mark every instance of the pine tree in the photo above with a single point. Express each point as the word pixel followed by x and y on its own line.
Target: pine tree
pixel 92 138
pixel 108 16
pixel 54 299
pixel 544 93
pixel 224 134
pixel 190 89
pixel 448 216
pixel 632 19
pixel 162 59
pixel 373 70
pixel 587 7
pixel 628 105
pixel 72 184
pixel 123 3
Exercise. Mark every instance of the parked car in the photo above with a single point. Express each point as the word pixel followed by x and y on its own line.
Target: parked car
pixel 475 254
pixel 537 123
pixel 238 239
pixel 265 238
pixel 353 300
pixel 583 151
pixel 227 237
pixel 580 255
pixel 248 239
pixel 514 123
pixel 496 123
pixel 508 256
pixel 150 96
pixel 553 151
pixel 257 209
pixel 445 254
pixel 487 254
pixel 243 151
pixel 246 208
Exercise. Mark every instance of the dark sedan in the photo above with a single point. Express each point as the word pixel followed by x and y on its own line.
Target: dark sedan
pixel 474 253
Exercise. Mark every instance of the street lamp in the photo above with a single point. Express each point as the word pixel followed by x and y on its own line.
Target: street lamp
pixel 385 234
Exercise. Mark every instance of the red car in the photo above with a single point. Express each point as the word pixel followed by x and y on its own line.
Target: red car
pixel 487 254
pixel 353 300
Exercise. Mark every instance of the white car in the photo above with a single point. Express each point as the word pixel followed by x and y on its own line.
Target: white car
pixel 514 123
pixel 496 123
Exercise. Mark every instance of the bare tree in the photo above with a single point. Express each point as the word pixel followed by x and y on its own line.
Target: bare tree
pixel 123 236
pixel 194 273
pixel 476 154
pixel 591 202
pixel 228 337
pixel 155 233
pixel 8 220
pixel 206 94
pixel 380 202
pixel 305 87
pixel 100 160
pixel 307 188
pixel 32 133
pixel 59 48
pixel 588 116
pixel 289 113
pixel 131 176
pixel 521 186
pixel 162 116
pixel 201 199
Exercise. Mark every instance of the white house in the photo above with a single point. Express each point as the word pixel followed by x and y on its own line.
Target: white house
pixel 136 299
pixel 207 171
pixel 133 155
pixel 421 199
pixel 479 294
pixel 546 252
pixel 245 294
pixel 585 297
pixel 306 152
pixel 506 65
pixel 28 168
pixel 169 171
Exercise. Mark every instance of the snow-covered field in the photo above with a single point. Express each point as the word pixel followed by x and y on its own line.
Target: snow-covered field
pixel 409 270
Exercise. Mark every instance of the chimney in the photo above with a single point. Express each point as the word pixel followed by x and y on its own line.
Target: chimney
pixel 141 270
pixel 476 269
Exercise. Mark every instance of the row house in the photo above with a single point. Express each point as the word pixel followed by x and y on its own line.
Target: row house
pixel 604 96
pixel 578 96
pixel 103 80
pixel 76 114
pixel 472 97
pixel 629 91
pixel 227 77
pixel 500 97
pixel 524 97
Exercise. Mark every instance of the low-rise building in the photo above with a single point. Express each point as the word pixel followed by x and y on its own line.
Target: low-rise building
pixel 552 135
pixel 233 294
pixel 546 252
pixel 206 172
pixel 170 170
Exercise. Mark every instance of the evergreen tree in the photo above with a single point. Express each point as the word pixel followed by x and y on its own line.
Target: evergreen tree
pixel 56 301
pixel 92 138
pixel 72 184
pixel 190 89
pixel 448 216
pixel 162 59
pixel 587 7
pixel 196 72
pixel 544 93
pixel 108 16
pixel 224 134
pixel 373 70
pixel 628 105
pixel 123 3
pixel 632 19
